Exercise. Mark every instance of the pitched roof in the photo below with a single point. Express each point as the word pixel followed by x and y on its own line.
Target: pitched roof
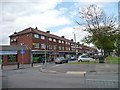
pixel 32 30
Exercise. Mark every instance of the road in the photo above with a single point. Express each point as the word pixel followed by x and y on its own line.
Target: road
pixel 33 78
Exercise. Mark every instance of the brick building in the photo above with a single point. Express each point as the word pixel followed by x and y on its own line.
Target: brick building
pixel 43 44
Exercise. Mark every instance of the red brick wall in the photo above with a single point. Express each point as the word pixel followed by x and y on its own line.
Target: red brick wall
pixel 5 59
pixel 26 57
pixel 26 39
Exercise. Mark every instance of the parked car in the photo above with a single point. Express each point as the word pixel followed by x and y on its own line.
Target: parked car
pixel 60 60
pixel 72 58
pixel 85 58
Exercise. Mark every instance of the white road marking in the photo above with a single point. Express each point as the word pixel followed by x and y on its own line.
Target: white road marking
pixel 58 65
pixel 75 72
pixel 38 66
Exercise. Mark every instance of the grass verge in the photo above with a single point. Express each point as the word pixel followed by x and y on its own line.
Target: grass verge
pixel 108 60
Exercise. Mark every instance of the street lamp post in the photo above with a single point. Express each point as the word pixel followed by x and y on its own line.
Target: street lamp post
pixel 75 46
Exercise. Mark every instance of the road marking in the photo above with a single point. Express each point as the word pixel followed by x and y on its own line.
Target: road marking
pixel 38 66
pixel 52 71
pixel 58 65
pixel 75 72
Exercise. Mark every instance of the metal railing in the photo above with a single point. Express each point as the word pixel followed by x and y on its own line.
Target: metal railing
pixel 96 83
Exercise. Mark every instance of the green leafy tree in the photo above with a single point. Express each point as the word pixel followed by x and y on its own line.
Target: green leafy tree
pixel 101 28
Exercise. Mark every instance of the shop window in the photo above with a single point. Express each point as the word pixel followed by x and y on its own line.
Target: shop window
pixel 0 59
pixel 12 58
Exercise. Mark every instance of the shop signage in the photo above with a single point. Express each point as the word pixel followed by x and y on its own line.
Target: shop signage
pixel 8 52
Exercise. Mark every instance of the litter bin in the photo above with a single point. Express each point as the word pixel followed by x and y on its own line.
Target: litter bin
pixel 101 59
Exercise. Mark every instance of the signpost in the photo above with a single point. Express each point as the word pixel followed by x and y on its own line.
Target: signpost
pixel 22 52
pixel 44 47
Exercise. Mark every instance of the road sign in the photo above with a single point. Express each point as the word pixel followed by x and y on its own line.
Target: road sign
pixel 22 51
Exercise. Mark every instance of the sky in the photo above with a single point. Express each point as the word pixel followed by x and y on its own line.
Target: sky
pixel 56 16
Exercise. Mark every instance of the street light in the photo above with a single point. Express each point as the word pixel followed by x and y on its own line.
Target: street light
pixel 75 46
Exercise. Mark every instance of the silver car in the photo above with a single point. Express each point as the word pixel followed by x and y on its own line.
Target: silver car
pixel 85 58
pixel 60 60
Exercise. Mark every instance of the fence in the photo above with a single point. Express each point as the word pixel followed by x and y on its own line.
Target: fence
pixel 96 83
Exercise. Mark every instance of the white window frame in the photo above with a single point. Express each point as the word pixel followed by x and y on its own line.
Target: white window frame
pixel 36 45
pixel 36 36
pixel 59 41
pixel 54 40
pixel 50 39
pixel 43 37
pixel 62 42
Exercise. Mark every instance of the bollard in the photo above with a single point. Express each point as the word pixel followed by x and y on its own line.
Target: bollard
pixel 18 65
pixel 32 64
pixel 2 66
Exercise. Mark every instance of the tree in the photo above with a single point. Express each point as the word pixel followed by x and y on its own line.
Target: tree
pixel 101 28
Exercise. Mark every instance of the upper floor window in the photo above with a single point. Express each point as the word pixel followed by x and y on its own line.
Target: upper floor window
pixel 55 47
pixel 11 40
pixel 50 46
pixel 36 36
pixel 68 43
pixel 54 40
pixel 50 39
pixel 59 41
pixel 62 48
pixel 63 42
pixel 59 47
pixel 43 37
pixel 36 45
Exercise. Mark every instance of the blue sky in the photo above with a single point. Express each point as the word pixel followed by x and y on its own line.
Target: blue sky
pixel 57 16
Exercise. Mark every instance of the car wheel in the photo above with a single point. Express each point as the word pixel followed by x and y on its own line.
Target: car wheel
pixel 80 60
pixel 55 62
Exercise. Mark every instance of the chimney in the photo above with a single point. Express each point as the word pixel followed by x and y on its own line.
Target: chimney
pixel 47 31
pixel 63 36
pixel 71 39
pixel 15 32
pixel 36 28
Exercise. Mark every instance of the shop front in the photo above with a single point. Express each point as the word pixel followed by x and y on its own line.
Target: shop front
pixel 8 57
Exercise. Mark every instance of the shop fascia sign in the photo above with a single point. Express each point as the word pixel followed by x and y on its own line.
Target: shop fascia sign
pixel 7 52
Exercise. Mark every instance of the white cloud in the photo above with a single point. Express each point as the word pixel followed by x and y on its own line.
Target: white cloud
pixel 47 19
pixel 93 1
pixel 17 15
pixel 69 32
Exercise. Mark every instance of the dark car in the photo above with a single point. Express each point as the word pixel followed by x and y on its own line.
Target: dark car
pixel 60 60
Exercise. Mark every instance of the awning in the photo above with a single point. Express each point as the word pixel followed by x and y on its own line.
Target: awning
pixel 8 52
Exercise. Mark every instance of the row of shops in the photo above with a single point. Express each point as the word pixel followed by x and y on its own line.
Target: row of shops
pixel 21 54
